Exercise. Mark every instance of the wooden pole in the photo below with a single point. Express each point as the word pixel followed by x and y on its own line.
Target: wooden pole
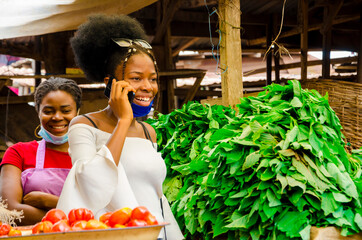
pixel 230 52
pixel 162 49
pixel 269 57
pixel 359 67
pixel 304 39
pixel 275 49
pixel 327 42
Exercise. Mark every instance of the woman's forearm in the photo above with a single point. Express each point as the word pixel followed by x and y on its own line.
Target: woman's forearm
pixel 31 214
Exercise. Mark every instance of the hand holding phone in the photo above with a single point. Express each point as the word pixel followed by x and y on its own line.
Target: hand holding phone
pixel 107 90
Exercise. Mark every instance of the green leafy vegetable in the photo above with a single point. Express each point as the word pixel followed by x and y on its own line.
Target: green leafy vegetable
pixel 269 171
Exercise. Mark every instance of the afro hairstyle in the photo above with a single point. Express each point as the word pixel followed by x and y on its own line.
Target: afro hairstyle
pixel 92 43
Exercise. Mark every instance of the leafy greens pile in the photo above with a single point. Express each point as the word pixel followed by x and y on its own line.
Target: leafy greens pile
pixel 270 171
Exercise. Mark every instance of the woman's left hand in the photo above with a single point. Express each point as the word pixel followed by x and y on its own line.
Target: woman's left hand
pixel 41 200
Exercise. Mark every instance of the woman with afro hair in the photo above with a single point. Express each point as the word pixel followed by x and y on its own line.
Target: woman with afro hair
pixel 114 156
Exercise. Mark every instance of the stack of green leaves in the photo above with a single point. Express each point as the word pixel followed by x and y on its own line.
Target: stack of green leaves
pixel 270 171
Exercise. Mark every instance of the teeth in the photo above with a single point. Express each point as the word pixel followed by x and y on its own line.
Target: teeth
pixel 143 99
pixel 58 127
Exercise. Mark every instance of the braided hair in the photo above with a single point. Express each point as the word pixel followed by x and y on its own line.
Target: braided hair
pixel 55 84
pixel 96 53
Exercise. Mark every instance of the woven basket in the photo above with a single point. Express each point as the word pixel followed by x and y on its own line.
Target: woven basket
pixel 345 98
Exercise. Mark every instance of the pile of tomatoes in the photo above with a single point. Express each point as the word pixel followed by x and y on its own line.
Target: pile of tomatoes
pixel 6 229
pixel 55 220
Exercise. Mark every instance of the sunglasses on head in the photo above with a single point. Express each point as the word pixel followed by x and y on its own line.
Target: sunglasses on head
pixel 125 42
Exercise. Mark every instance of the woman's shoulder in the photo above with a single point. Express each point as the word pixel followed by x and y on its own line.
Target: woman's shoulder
pixel 17 152
pixel 24 145
pixel 87 119
pixel 151 130
pixel 90 122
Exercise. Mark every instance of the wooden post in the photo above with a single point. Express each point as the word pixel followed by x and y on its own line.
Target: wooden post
pixel 230 52
pixel 269 57
pixel 37 66
pixel 54 51
pixel 275 49
pixel 162 49
pixel 304 39
pixel 169 65
pixel 327 42
pixel 359 67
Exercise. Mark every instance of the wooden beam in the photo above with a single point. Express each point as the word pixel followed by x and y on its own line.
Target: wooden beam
pixel 333 9
pixel 192 92
pixel 87 95
pixel 184 46
pixel 298 64
pixel 175 73
pixel 200 93
pixel 303 4
pixel 79 78
pixel 16 99
pixel 172 7
pixel 230 52
pixel 4 83
pixel 297 30
pixel 196 4
pixel 20 47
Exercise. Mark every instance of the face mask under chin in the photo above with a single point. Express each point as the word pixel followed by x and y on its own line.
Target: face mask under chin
pixel 141 111
pixel 48 137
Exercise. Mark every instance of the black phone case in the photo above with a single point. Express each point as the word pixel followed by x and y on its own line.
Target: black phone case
pixel 107 92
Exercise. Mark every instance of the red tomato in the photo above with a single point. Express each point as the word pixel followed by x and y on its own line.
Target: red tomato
pixel 4 229
pixel 151 220
pixel 78 214
pixel 61 226
pixel 14 232
pixel 140 213
pixel 42 227
pixel 104 218
pixel 95 224
pixel 54 215
pixel 79 225
pixel 120 216
pixel 136 223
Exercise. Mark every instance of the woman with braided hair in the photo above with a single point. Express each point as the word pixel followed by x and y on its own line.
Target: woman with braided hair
pixel 114 156
pixel 32 173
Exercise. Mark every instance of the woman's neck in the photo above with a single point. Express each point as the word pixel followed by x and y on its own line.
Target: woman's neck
pixel 61 148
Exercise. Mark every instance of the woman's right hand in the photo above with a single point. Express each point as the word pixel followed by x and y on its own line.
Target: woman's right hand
pixel 118 100
pixel 41 200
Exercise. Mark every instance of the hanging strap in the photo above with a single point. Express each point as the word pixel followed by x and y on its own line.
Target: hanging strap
pixel 145 130
pixel 90 120
pixel 40 154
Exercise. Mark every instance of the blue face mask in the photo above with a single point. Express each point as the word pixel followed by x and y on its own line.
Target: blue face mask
pixel 48 137
pixel 141 111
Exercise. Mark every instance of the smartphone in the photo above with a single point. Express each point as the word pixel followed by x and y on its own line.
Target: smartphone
pixel 107 90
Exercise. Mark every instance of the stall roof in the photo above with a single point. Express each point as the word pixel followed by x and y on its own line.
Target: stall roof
pixel 19 18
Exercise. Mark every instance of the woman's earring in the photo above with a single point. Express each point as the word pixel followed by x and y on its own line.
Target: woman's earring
pixel 36 132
